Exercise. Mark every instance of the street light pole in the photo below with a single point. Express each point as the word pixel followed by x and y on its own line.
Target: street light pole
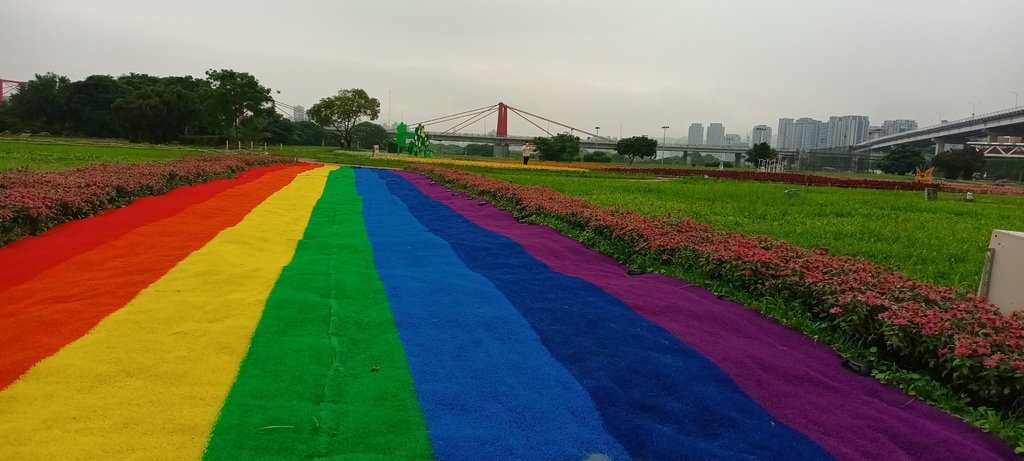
pixel 597 131
pixel 974 107
pixel 664 133
pixel 1016 96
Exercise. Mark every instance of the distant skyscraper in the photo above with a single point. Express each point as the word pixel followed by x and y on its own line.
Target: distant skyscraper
pixel 716 134
pixel 785 134
pixel 733 139
pixel 876 132
pixel 299 114
pixel 696 134
pixel 806 132
pixel 898 126
pixel 847 130
pixel 761 133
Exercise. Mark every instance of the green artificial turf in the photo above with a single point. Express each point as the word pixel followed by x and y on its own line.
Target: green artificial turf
pixel 942 242
pixel 326 375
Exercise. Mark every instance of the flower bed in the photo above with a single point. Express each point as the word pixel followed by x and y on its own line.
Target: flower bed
pixel 31 202
pixel 960 337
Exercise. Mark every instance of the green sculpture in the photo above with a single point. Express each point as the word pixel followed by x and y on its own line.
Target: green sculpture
pixel 401 135
pixel 420 146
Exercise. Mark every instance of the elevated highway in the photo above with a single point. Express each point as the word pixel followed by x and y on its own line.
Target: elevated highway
pixel 984 127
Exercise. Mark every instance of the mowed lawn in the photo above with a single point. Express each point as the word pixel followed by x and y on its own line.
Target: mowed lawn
pixel 49 155
pixel 52 154
pixel 942 242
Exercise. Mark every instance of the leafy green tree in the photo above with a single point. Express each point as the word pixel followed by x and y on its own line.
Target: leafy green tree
pixel 157 114
pixel 560 147
pixel 367 134
pixel 236 96
pixel 636 147
pixel 959 163
pixel 479 150
pixel 344 110
pixel 599 156
pixel 760 152
pixel 901 160
pixel 40 104
pixel 279 130
pixel 307 133
pixel 88 106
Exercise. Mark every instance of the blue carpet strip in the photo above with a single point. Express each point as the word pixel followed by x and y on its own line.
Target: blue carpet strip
pixel 658 397
pixel 487 387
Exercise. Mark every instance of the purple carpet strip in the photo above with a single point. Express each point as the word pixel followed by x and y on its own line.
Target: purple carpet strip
pixel 798 381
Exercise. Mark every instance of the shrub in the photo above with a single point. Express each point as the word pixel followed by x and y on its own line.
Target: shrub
pixel 32 202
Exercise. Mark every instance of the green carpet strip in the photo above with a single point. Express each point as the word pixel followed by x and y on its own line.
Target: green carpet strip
pixel 326 375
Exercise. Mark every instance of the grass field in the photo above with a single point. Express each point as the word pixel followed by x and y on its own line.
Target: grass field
pixel 44 154
pixel 942 242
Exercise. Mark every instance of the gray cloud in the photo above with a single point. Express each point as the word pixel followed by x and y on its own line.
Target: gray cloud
pixel 641 64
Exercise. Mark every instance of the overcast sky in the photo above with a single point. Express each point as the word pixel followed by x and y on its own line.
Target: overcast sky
pixel 638 64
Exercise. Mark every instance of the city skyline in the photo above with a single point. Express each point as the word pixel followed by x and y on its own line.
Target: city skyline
pixel 429 60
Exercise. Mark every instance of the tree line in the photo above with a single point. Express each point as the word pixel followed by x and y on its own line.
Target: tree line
pixel 224 105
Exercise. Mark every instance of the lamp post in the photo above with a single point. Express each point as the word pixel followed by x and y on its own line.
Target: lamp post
pixel 1016 96
pixel 974 107
pixel 597 131
pixel 940 116
pixel 664 133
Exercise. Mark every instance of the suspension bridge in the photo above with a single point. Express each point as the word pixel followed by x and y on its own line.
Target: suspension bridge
pixel 501 139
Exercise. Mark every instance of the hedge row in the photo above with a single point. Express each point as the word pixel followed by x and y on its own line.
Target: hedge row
pixel 32 202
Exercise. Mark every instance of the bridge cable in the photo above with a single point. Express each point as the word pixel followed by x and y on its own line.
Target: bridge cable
pixel 514 111
pixel 556 123
pixel 470 121
pixel 449 117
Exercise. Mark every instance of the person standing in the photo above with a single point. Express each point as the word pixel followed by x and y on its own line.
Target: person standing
pixel 527 152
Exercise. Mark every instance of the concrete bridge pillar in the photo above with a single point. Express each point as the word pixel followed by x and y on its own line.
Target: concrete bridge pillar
pixel 940 145
pixel 500 149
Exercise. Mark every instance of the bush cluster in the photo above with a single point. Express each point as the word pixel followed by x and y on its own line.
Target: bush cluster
pixel 32 202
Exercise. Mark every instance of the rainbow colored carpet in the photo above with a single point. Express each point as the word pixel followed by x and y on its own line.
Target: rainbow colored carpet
pixel 308 312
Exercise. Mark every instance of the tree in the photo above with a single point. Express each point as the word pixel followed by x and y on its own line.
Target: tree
pixel 480 150
pixel 88 106
pixel 40 104
pixel 599 156
pixel 636 147
pixel 367 134
pixel 760 152
pixel 959 163
pixel 307 133
pixel 901 160
pixel 157 114
pixel 344 110
pixel 235 96
pixel 279 130
pixel 559 147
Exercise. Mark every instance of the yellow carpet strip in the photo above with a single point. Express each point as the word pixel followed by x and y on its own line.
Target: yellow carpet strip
pixel 150 379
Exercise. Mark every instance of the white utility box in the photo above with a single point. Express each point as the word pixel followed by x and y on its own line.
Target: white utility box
pixel 1005 271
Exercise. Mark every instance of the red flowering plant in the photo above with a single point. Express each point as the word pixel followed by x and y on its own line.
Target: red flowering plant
pixel 31 202
pixel 961 338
